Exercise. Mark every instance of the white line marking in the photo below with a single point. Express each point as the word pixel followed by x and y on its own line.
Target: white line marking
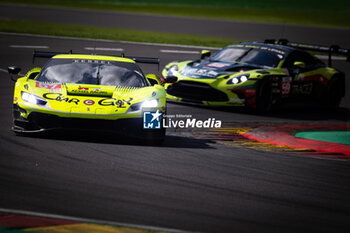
pixel 131 14
pixel 179 51
pixel 169 45
pixel 30 46
pixel 136 43
pixel 85 220
pixel 3 70
pixel 104 49
pixel 110 41
pixel 324 57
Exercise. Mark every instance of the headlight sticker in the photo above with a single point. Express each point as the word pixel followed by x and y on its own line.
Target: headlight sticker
pixel 217 65
pixel 52 87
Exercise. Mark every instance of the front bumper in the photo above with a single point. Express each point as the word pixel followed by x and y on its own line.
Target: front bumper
pixel 40 122
pixel 204 94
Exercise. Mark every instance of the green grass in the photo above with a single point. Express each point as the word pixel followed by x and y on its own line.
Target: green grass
pixel 335 5
pixel 57 29
pixel 305 12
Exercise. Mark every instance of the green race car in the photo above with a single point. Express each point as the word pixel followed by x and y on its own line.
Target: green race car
pixel 89 92
pixel 256 75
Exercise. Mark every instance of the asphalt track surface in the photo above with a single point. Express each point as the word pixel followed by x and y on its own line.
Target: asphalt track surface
pixel 182 25
pixel 187 184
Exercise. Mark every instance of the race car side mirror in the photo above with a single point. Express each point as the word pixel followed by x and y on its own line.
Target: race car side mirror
pixel 170 79
pixel 14 70
pixel 299 64
pixel 205 54
pixel 153 79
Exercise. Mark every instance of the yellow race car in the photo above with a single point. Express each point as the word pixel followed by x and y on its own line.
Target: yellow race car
pixel 90 92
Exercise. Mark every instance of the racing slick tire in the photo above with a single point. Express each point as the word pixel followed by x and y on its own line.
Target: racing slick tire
pixel 334 93
pixel 264 97
pixel 155 137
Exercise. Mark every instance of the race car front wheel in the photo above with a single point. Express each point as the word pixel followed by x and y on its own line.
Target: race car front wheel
pixel 264 97
pixel 334 93
pixel 155 137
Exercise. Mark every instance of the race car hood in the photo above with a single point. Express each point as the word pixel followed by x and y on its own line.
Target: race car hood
pixel 88 99
pixel 204 69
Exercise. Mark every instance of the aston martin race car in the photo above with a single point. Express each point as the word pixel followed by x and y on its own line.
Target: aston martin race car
pixel 256 75
pixel 89 92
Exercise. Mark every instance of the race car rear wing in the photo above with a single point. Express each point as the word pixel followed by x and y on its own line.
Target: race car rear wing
pixel 45 54
pixel 146 60
pixel 333 49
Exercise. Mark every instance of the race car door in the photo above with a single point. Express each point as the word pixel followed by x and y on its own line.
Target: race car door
pixel 308 74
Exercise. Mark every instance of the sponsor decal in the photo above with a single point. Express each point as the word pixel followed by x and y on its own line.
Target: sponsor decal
pixel 58 97
pixel 305 89
pixel 53 87
pixel 119 103
pixel 152 120
pixel 200 72
pixel 114 102
pixel 217 65
pixel 196 64
pixel 250 91
pixel 273 50
pixel 15 99
pixel 89 102
pixel 87 90
pixel 91 61
pixel 286 71
pixel 318 78
pixel 250 97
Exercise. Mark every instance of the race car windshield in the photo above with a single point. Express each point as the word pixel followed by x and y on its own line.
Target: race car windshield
pixel 246 55
pixel 97 72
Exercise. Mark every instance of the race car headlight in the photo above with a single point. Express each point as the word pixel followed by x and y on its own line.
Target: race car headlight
pixel 238 79
pixel 173 70
pixel 146 104
pixel 30 98
pixel 150 104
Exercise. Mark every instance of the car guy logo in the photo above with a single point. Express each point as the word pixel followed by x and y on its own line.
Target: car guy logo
pixel 89 102
pixel 152 120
